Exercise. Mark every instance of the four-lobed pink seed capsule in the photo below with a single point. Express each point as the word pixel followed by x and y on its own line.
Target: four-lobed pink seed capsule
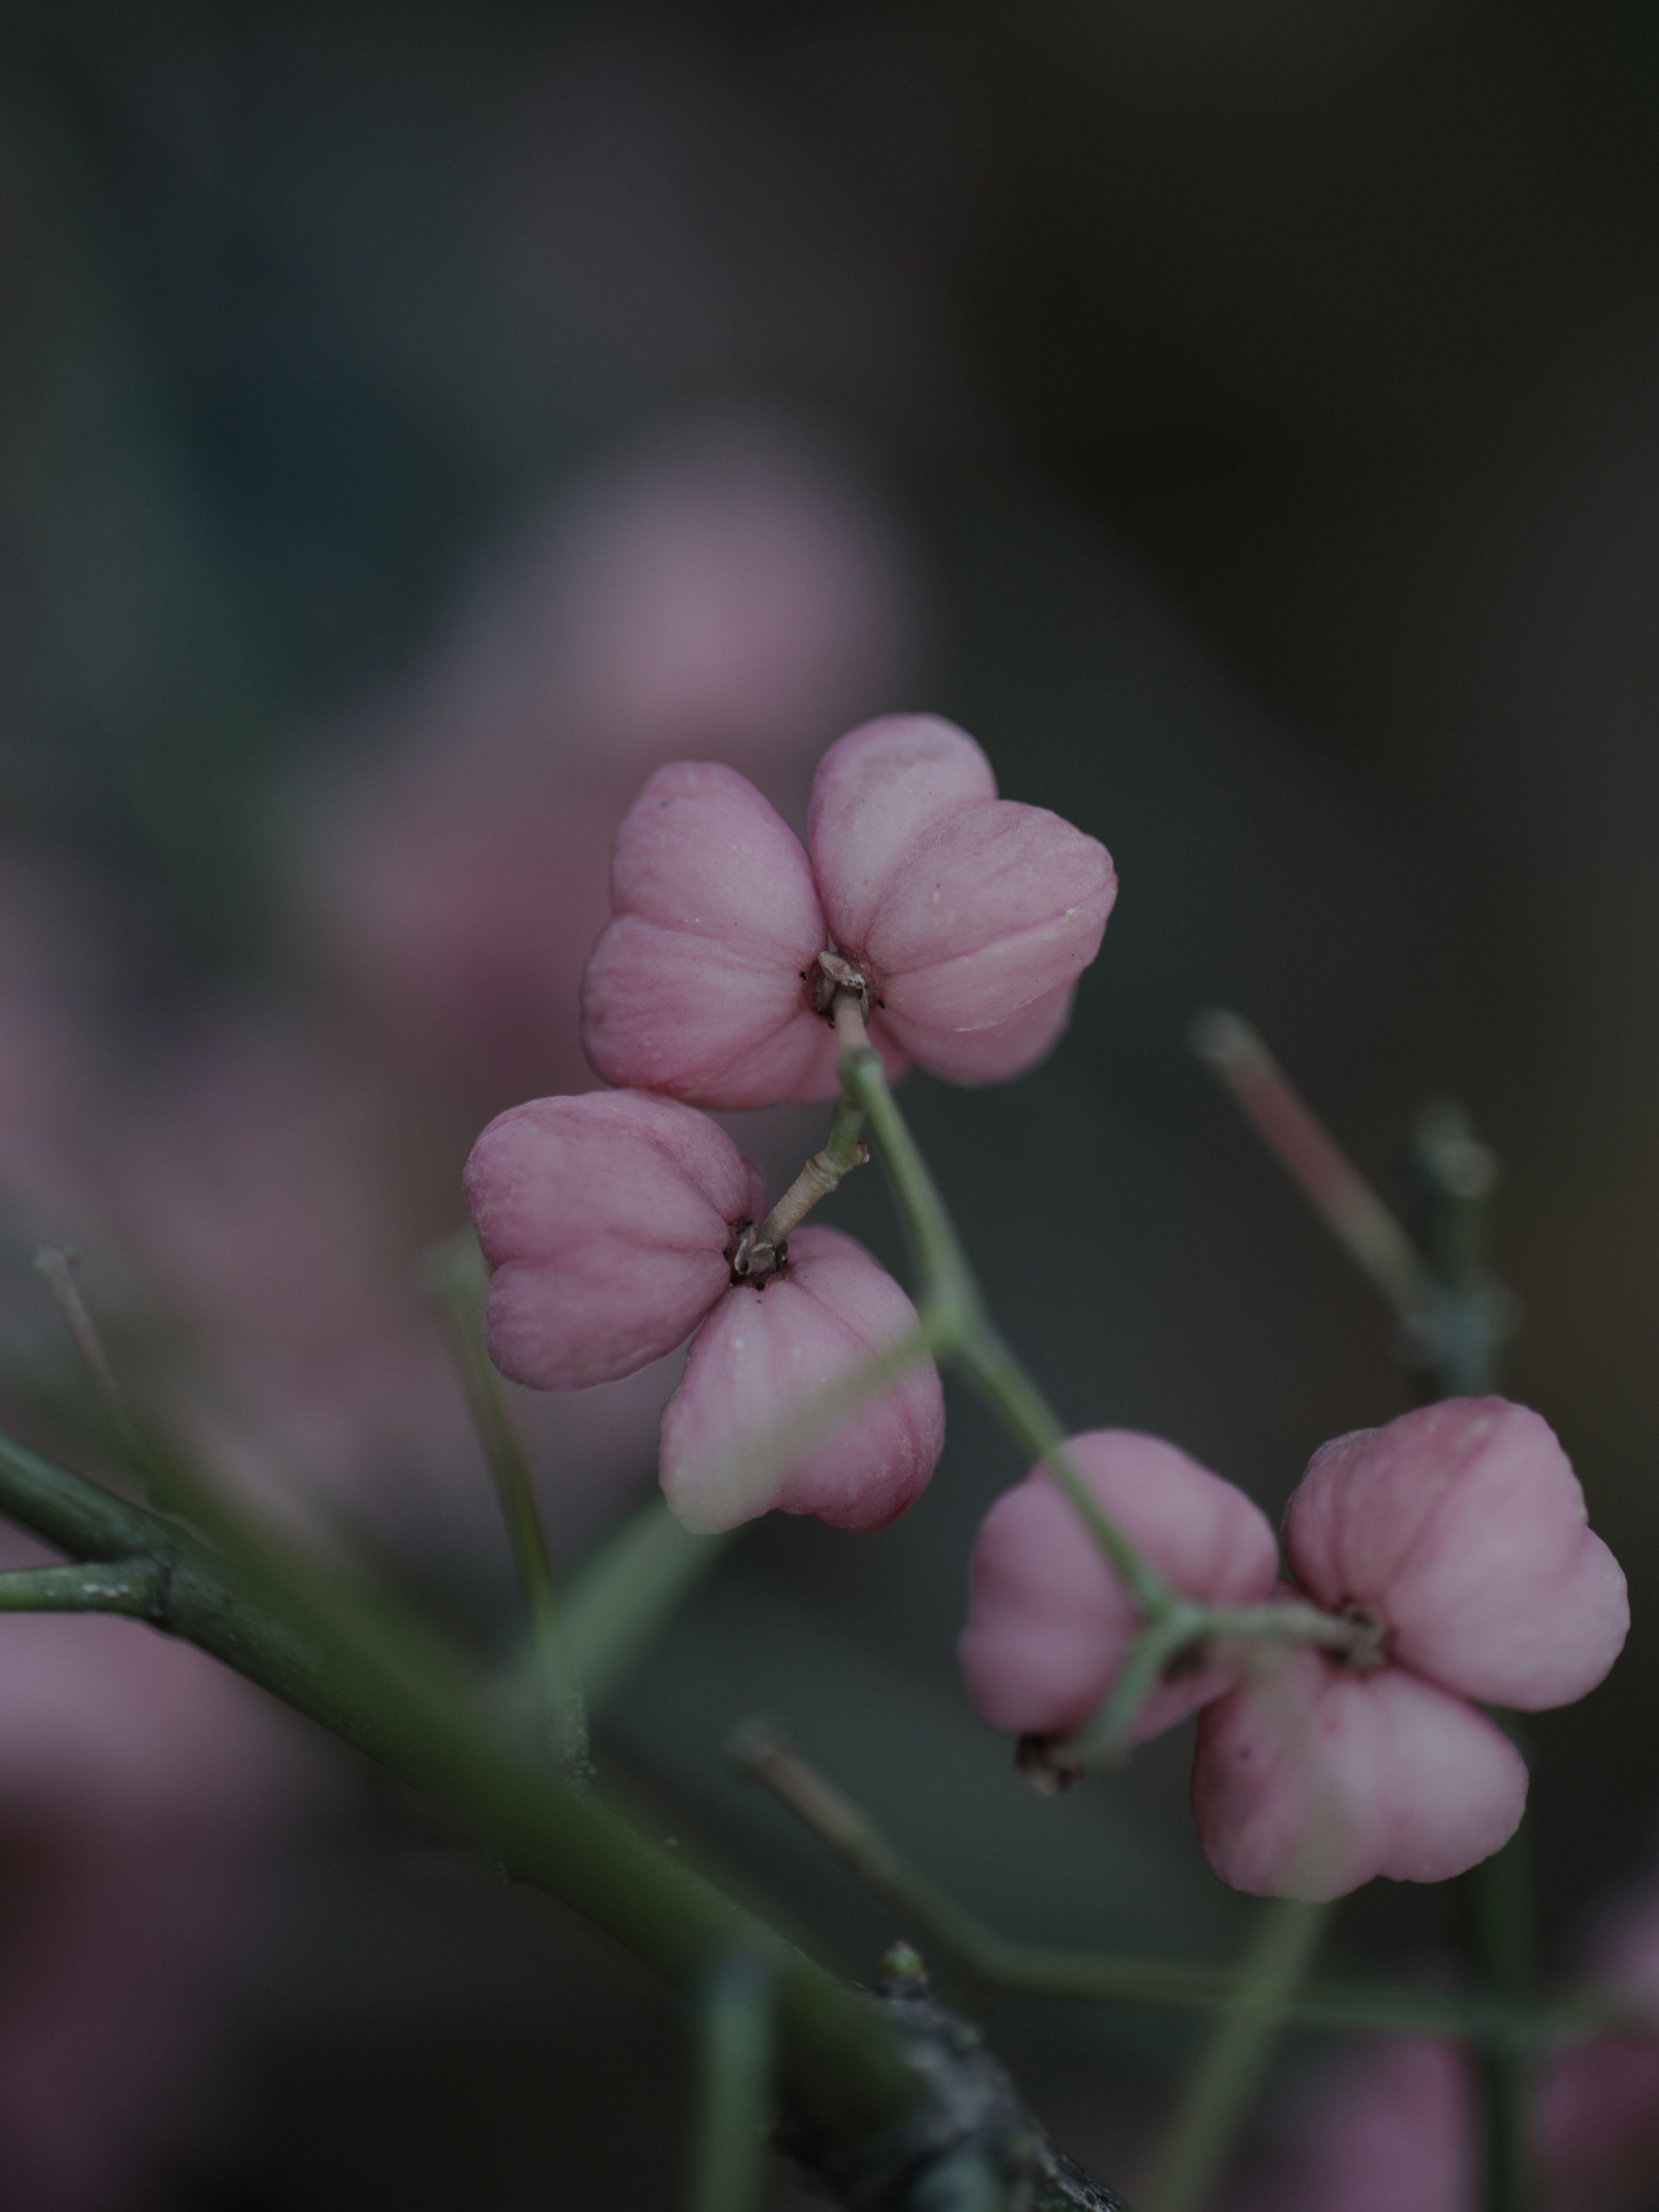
pixel 1457 1534
pixel 970 917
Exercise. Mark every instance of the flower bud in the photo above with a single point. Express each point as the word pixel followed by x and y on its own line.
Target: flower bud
pixel 1461 1527
pixel 765 1351
pixel 1309 1780
pixel 606 1219
pixel 1049 1625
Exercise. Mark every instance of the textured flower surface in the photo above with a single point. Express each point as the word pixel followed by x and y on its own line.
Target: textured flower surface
pixel 968 917
pixel 1050 1626
pixel 763 1351
pixel 605 1219
pixel 1459 1531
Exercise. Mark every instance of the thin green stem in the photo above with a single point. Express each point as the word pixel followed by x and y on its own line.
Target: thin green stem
pixel 1499 1937
pixel 419 1715
pixel 1316 1163
pixel 823 1173
pixel 852 1838
pixel 55 1265
pixel 1193 2146
pixel 618 1602
pixel 129 1586
pixel 734 2087
pixel 950 1296
pixel 457 1278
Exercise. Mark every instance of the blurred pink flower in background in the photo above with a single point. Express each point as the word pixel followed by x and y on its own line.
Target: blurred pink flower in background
pixel 1389 2130
pixel 1597 2103
pixel 146 1797
pixel 727 593
pixel 1397 2123
pixel 253 1193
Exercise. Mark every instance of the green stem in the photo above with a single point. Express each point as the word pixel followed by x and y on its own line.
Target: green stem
pixel 1500 1924
pixel 615 1605
pixel 458 1279
pixel 426 1725
pixel 129 1586
pixel 734 2098
pixel 1197 2138
pixel 823 1173
pixel 952 1303
pixel 852 1840
pixel 1366 1229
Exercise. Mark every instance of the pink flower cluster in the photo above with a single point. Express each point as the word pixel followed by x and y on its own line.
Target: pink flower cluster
pixel 610 1220
pixel 1457 1534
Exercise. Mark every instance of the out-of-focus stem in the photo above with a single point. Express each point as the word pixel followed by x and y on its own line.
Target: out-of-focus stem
pixel 457 1279
pixel 1318 1166
pixel 950 1302
pixel 734 2085
pixel 421 1717
pixel 55 1265
pixel 1198 2136
pixel 621 1596
pixel 1500 1921
pixel 925 1911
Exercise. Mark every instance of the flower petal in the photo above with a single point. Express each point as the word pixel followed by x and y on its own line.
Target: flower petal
pixel 762 1352
pixel 1050 1625
pixel 606 1219
pixel 1463 1526
pixel 1309 1780
pixel 694 988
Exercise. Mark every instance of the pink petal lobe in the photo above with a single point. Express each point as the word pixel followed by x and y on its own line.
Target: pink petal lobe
pixel 695 987
pixel 877 791
pixel 972 916
pixel 606 1219
pixel 1048 1625
pixel 1463 1526
pixel 1309 1781
pixel 762 1352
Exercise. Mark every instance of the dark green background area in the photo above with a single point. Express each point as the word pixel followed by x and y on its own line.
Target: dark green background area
pixel 1273 390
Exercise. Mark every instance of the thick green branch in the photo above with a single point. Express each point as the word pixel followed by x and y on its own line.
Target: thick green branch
pixel 840 2062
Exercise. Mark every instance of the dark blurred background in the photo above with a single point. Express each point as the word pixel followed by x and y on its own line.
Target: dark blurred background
pixel 1242 416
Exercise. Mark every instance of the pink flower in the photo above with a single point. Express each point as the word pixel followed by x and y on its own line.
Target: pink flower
pixel 765 1350
pixel 1392 2129
pixel 970 917
pixel 609 1221
pixel 606 1219
pixel 1048 1624
pixel 1462 1527
pixel 1309 1780
pixel 1459 1531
